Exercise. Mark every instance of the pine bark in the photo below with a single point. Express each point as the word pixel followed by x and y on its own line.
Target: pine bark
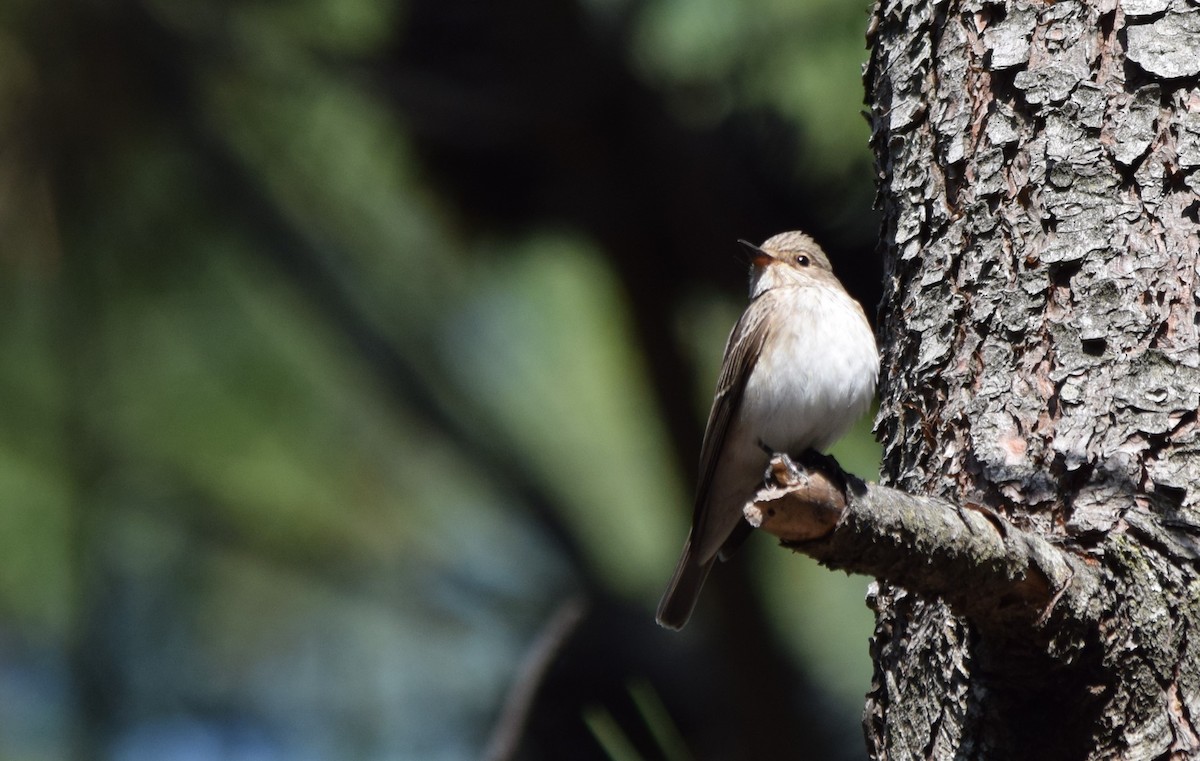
pixel 1037 169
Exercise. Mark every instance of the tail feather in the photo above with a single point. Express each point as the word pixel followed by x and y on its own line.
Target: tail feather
pixel 677 602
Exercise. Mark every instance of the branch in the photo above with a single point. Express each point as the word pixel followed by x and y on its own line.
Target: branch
pixel 514 714
pixel 1005 580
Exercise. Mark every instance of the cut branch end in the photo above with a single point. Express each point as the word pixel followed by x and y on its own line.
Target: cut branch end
pixel 1002 578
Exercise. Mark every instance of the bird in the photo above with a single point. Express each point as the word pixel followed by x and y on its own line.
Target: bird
pixel 799 369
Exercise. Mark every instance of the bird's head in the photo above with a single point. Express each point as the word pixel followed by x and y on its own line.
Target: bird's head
pixel 790 258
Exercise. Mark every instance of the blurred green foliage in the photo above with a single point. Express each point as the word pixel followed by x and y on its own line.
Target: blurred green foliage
pixel 226 528
pixel 543 334
pixel 802 58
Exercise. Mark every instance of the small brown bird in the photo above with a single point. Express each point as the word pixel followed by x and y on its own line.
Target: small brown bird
pixel 800 368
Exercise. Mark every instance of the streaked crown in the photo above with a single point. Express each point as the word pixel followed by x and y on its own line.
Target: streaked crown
pixel 787 246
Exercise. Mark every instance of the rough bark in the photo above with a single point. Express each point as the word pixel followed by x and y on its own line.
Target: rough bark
pixel 1037 171
pixel 1011 584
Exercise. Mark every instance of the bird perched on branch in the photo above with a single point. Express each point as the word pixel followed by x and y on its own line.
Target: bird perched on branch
pixel 800 368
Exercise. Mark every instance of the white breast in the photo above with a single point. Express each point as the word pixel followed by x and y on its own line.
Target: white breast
pixel 816 374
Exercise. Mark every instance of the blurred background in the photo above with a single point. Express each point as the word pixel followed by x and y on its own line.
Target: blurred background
pixel 356 356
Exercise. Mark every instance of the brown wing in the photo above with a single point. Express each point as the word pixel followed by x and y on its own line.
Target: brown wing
pixel 699 551
pixel 741 352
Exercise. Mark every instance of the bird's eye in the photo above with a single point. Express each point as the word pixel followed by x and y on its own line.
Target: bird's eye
pixel 802 260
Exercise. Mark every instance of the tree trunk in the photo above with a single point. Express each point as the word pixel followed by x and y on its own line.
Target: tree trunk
pixel 1041 366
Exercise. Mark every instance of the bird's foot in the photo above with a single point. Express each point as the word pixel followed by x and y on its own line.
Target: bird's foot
pixel 826 464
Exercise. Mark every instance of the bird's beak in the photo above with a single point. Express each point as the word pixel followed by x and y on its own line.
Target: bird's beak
pixel 758 257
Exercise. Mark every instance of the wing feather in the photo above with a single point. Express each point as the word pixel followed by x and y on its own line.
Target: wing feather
pixel 742 350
